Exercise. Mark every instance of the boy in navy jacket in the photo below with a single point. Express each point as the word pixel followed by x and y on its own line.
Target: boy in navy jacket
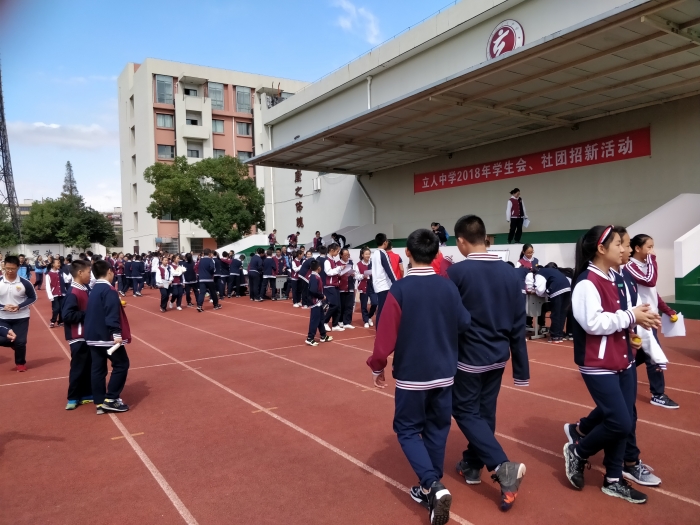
pixel 423 317
pixel 255 269
pixel 137 271
pixel 74 308
pixel 316 314
pixel 492 292
pixel 235 270
pixel 106 326
pixel 206 268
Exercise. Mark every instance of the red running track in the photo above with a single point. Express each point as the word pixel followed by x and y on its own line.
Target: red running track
pixel 235 420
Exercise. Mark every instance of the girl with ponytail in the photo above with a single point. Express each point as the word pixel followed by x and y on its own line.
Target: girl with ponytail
pixel 602 321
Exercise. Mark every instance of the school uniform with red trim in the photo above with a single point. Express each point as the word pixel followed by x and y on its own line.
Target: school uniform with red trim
pixel 54 291
pixel 74 309
pixel 346 287
pixel 331 282
pixel 423 317
pixel 492 293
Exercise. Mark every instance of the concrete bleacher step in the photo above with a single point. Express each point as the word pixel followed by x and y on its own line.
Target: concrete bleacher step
pixel 690 309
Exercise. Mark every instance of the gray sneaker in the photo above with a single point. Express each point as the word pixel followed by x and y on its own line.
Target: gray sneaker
pixel 641 474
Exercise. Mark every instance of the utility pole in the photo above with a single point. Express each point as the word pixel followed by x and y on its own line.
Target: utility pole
pixel 8 195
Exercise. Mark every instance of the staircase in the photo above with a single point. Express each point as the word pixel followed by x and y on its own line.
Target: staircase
pixel 687 273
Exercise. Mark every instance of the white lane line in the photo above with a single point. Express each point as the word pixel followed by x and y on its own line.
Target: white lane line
pixel 386 394
pixel 320 441
pixel 35 381
pixel 172 496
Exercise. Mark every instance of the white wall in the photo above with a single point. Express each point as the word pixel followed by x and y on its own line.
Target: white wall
pixel 686 251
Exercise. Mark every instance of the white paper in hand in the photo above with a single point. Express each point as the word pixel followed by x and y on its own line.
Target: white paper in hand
pixel 526 223
pixel 670 329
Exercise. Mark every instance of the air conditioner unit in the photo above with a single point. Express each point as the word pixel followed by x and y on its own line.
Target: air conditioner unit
pixel 317 184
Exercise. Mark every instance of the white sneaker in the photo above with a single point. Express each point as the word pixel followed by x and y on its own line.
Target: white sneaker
pixel 170 305
pixel 371 323
pixel 348 327
pixel 296 305
pixel 304 307
pixel 338 329
pixel 366 325
pixel 179 308
pixel 328 328
pixel 340 325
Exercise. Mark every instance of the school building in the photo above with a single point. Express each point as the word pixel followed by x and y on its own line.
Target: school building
pixel 169 109
pixel 591 108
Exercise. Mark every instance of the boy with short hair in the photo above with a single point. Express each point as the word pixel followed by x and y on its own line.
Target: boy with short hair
pixel 205 270
pixel 316 314
pixel 423 317
pixel 330 275
pixel 25 269
pixel 16 296
pixel 74 308
pixel 137 271
pixel 382 274
pixel 492 293
pixel 54 291
pixel 106 325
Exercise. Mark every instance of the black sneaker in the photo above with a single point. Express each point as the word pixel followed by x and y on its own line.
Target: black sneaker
pixel 114 406
pixel 509 475
pixel 664 401
pixel 326 339
pixel 555 340
pixel 190 305
pixel 439 502
pixel 574 466
pixel 200 309
pixel 572 433
pixel 163 310
pixel 217 307
pixel 471 475
pixel 420 497
pixel 622 489
pixel 312 342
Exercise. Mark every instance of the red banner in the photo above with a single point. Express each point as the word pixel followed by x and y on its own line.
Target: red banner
pixel 623 146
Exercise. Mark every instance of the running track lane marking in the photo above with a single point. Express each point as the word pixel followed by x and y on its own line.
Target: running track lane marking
pixel 382 392
pixel 640 382
pixel 302 431
pixel 132 435
pixel 174 499
pixel 520 389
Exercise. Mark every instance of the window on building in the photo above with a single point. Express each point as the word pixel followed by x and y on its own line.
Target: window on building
pixel 197 245
pixel 244 155
pixel 219 153
pixel 190 92
pixel 131 106
pixel 217 126
pixel 133 165
pixel 244 128
pixel 134 193
pixel 136 223
pixel 133 135
pixel 164 89
pixel 194 150
pixel 216 94
pixel 166 152
pixel 164 121
pixel 242 99
pixel 192 122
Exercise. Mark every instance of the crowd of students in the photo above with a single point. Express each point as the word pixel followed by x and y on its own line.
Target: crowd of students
pixel 451 327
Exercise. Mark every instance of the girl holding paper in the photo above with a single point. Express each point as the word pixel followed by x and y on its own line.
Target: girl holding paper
pixel 347 290
pixel 164 278
pixel 363 272
pixel 643 268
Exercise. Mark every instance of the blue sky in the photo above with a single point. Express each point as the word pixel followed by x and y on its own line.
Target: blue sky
pixel 60 60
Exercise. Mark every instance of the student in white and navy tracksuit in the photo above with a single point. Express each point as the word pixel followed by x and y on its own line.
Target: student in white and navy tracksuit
pixel 549 282
pixel 16 296
pixel 422 321
pixel 365 286
pixel 644 269
pixel 164 279
pixel 316 308
pixel 105 325
pixel 602 351
pixel 54 291
pixel 206 269
pixel 382 274
pixel 74 309
pixel 346 287
pixel 492 293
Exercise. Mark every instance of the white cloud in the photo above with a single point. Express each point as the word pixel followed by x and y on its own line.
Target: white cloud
pixel 74 136
pixel 359 20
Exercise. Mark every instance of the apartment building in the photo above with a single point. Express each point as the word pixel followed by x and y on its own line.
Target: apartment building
pixel 169 109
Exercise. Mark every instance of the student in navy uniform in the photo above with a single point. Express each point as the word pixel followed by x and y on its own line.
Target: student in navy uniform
pixel 189 278
pixel 603 353
pixel 269 265
pixel 365 287
pixel 127 274
pixel 549 282
pixel 16 296
pixel 346 287
pixel 224 275
pixel 255 270
pixel 304 273
pixel 206 268
pixel 382 274
pixel 235 271
pixel 492 293
pixel 74 308
pixel 137 271
pixel 423 317
pixel 55 293
pixel 633 468
pixel 316 309
pixel 330 274
pixel 105 326
pixel 282 269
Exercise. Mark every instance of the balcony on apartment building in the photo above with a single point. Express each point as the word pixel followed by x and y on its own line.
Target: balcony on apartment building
pixel 197 108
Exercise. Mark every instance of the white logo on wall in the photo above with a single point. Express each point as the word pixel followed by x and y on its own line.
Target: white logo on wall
pixel 507 36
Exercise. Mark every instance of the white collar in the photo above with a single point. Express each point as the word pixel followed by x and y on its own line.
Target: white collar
pixel 79 286
pixel 103 281
pixel 610 276
pixel 421 271
pixel 484 257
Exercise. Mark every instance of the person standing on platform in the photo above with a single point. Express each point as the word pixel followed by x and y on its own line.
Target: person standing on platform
pixel 441 232
pixel 318 242
pixel 515 215
pixel 272 240
pixel 16 295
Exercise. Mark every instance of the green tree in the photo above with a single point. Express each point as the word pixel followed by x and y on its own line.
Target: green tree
pixel 70 187
pixel 8 237
pixel 216 194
